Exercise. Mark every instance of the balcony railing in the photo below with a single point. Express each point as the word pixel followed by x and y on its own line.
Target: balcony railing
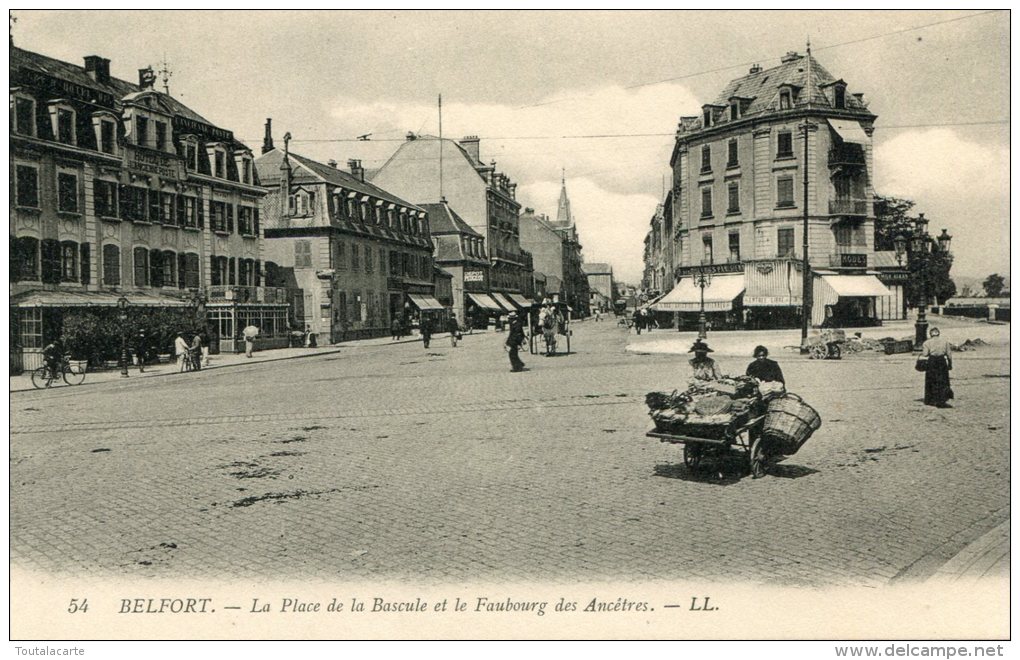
pixel 847 154
pixel 848 207
pixel 246 294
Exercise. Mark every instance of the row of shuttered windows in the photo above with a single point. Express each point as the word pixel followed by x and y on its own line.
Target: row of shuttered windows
pixel 51 262
pixel 137 204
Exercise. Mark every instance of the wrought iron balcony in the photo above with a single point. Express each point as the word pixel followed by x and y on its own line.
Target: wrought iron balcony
pixel 846 154
pixel 845 206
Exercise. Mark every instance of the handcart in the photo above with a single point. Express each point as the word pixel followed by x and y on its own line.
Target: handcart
pixel 828 345
pixel 746 437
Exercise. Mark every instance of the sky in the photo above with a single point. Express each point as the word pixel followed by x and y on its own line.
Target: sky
pixel 523 80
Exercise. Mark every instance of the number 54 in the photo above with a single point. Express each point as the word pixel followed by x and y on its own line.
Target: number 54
pixel 77 606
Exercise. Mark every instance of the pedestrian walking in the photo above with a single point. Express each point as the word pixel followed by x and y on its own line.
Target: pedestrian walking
pixel 204 338
pixel 250 333
pixel 425 327
pixel 141 350
pixel 514 340
pixel 454 329
pixel 638 320
pixel 395 327
pixel 936 361
pixel 181 352
pixel 703 366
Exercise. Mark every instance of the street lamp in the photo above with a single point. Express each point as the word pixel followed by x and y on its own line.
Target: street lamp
pixel 702 280
pixel 923 248
pixel 122 305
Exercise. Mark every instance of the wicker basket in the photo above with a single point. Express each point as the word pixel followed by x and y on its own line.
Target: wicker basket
pixel 789 423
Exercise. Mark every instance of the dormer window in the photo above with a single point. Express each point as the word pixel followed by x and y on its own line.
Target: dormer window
pixel 707 117
pixel 105 126
pixel 220 166
pixel 142 131
pixel 24 115
pixel 243 163
pixel 840 96
pixel 217 155
pixel 734 110
pixel 785 99
pixel 378 212
pixel 190 147
pixel 62 119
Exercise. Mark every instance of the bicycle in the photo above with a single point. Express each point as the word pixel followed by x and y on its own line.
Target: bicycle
pixel 43 376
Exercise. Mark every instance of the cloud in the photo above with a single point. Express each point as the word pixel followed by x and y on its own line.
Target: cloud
pixel 614 183
pixel 958 184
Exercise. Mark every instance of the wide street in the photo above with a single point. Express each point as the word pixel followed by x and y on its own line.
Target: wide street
pixel 391 461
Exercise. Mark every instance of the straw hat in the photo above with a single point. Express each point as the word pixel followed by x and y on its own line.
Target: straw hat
pixel 700 347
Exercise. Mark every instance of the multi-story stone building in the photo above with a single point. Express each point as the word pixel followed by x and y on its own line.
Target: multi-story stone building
pixel 426 169
pixel 119 190
pixel 738 201
pixel 601 285
pixel 361 254
pixel 574 281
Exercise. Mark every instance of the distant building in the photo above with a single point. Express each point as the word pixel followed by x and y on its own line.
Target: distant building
pixel 362 255
pixel 601 285
pixel 737 202
pixel 484 198
pixel 118 189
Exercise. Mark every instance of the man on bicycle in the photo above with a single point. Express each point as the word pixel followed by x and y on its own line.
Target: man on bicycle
pixel 52 358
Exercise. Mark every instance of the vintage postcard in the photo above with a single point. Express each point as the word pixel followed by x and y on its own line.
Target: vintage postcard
pixel 675 325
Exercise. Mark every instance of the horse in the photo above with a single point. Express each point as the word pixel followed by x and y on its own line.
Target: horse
pixel 549 321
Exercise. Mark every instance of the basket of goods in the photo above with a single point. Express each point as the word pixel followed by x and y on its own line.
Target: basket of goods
pixel 789 422
pixel 710 409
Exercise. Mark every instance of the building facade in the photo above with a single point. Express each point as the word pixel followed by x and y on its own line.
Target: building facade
pixel 362 255
pixel 575 283
pixel 601 285
pixel 738 201
pixel 119 190
pixel 426 169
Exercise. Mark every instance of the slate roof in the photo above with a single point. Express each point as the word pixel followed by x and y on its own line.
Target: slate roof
pixel 444 220
pixel 25 59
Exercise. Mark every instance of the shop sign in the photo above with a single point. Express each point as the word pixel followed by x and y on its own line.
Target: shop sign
pixel 770 301
pixel 152 162
pixel 474 276
pixel 711 269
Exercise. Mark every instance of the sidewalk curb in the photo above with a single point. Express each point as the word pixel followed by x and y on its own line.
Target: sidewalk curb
pixel 978 558
pixel 333 349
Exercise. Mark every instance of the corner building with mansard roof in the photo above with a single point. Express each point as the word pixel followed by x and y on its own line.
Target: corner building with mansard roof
pixel 737 204
pixel 120 190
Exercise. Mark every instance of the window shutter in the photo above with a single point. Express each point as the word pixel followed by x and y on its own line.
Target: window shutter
pixel 125 201
pixel 182 269
pixel 181 211
pixel 155 268
pixel 232 271
pixel 256 222
pixel 17 259
pixel 50 261
pixel 153 199
pixel 85 263
pixel 258 267
pixel 230 218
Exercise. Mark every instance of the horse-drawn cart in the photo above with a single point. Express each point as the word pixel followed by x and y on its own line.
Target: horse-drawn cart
pixel 548 321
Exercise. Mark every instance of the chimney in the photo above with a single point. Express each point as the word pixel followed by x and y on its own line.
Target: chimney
pixel 98 68
pixel 755 69
pixel 146 78
pixel 791 55
pixel 356 169
pixel 267 141
pixel 470 144
pixel 331 163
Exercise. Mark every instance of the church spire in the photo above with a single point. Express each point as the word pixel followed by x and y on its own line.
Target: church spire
pixel 563 215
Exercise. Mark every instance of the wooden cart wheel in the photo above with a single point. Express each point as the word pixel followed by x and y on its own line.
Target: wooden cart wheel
pixel 835 352
pixel 818 352
pixel 692 456
pixel 758 459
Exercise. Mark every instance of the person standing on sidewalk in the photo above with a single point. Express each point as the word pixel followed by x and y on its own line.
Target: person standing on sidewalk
pixel 181 351
pixel 196 352
pixel 141 350
pixel 204 338
pixel 514 340
pixel 454 329
pixel 425 327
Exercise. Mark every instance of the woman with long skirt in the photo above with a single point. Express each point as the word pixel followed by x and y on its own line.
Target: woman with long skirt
pixel 938 353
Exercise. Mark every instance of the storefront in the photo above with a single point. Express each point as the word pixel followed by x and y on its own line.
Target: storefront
pixel 227 321
pixel 773 298
pixel 481 309
pixel 846 301
pixel 721 298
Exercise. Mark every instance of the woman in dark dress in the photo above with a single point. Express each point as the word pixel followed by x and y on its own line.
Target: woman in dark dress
pixel 938 354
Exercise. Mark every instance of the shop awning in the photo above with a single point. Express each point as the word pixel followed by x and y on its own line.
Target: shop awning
pixel 856 286
pixel 91 299
pixel 521 301
pixel 648 305
pixel 485 302
pixel 686 295
pixel 773 284
pixel 849 130
pixel 504 302
pixel 423 302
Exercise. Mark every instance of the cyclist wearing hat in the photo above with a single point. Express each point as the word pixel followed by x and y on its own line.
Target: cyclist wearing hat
pixel 703 366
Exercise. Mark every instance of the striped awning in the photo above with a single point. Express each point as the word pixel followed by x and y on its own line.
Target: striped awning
pixel 485 302
pixel 504 303
pixel 686 295
pixel 521 301
pixel 91 299
pixel 773 284
pixel 423 302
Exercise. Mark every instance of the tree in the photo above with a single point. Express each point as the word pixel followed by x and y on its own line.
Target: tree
pixel 993 285
pixel 892 219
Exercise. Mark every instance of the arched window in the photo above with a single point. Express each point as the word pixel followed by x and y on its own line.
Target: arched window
pixel 111 265
pixel 168 263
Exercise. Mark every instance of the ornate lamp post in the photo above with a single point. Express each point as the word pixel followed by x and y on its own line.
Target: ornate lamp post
pixel 922 248
pixel 122 305
pixel 702 280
